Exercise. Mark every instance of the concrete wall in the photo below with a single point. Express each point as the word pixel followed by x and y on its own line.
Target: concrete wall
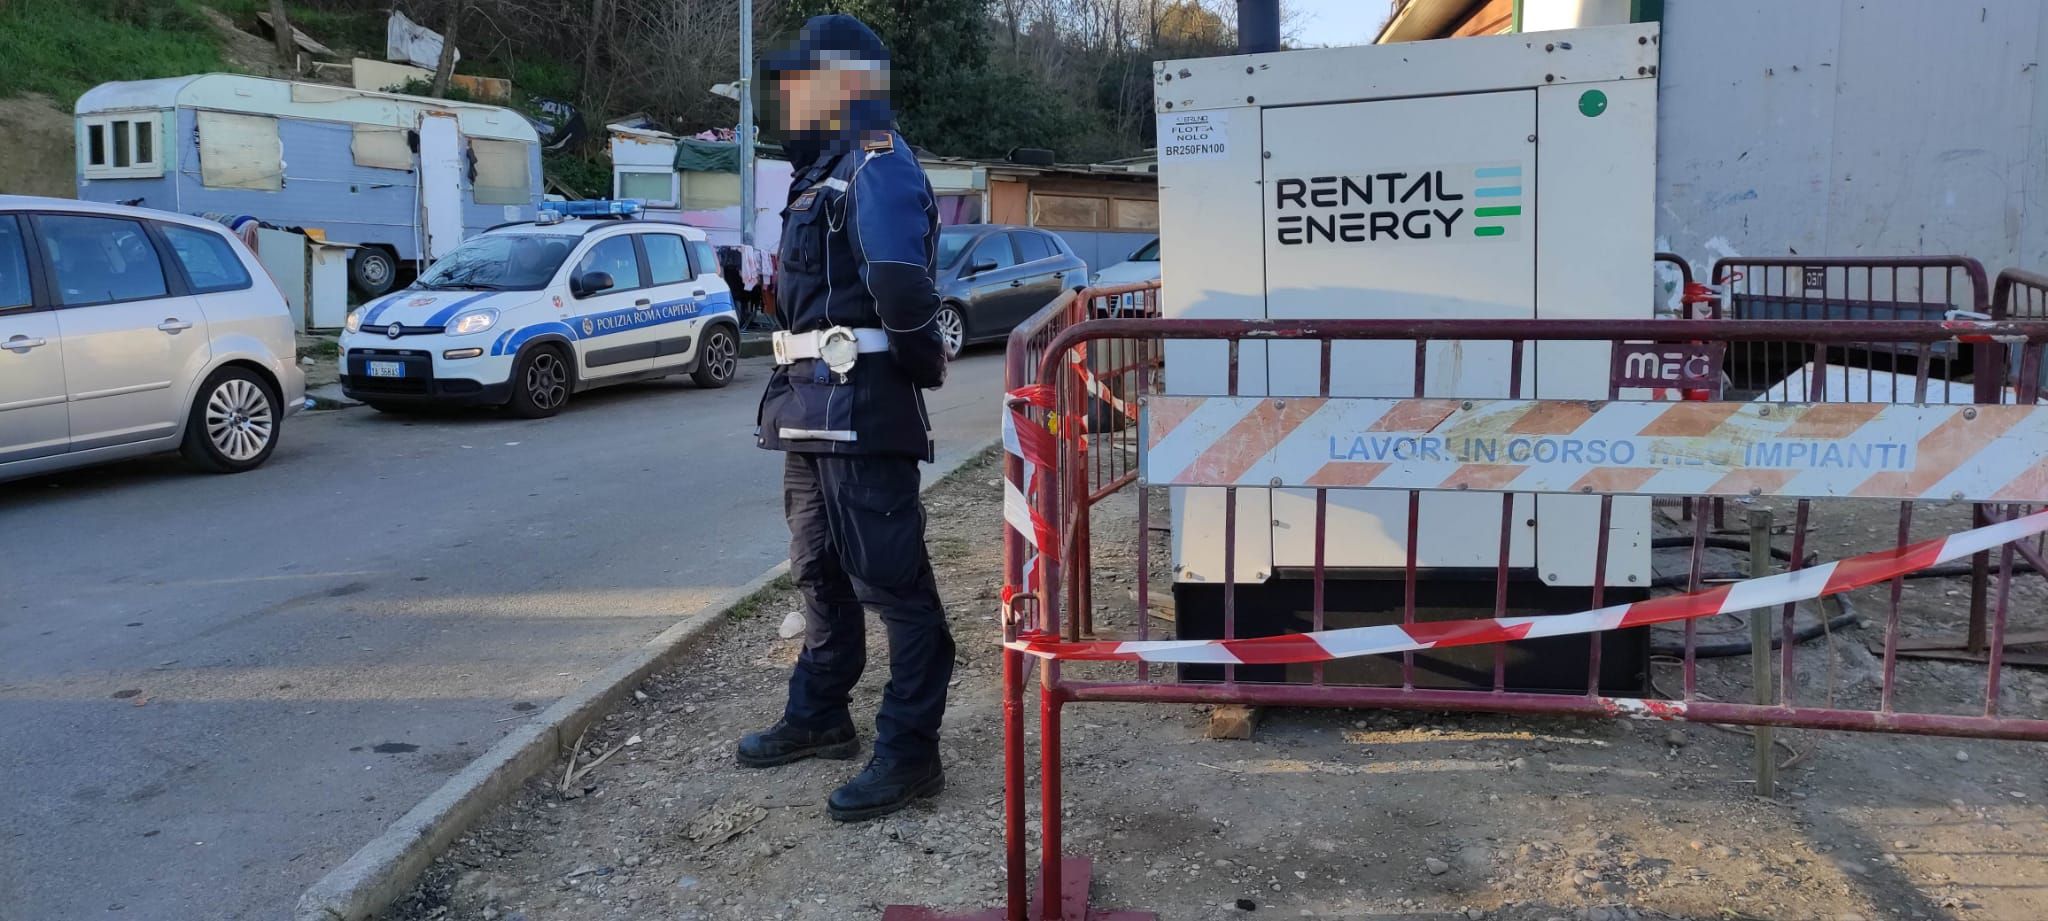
pixel 1854 128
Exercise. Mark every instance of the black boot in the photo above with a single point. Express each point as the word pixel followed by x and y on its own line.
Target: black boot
pixel 886 785
pixel 783 743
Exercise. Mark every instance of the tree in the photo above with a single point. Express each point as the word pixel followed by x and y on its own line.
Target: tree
pixel 445 68
pixel 937 48
pixel 281 28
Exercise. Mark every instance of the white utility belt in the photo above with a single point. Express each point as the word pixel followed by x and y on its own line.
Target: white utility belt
pixel 838 347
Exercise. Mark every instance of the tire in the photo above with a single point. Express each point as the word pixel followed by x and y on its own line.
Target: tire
pixel 234 422
pixel 541 382
pixel 718 358
pixel 372 271
pixel 952 329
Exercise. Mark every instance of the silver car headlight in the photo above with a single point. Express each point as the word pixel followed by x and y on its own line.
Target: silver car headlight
pixel 472 322
pixel 354 323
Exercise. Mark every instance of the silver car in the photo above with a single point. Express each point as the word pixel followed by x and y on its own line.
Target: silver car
pixel 126 331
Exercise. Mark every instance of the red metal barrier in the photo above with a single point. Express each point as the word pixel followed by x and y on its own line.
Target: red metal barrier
pixel 1052 607
pixel 1094 467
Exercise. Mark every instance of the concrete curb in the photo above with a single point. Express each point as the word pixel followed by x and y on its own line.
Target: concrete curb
pixel 386 868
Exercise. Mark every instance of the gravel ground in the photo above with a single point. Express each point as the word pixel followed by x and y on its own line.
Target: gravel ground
pixel 1324 814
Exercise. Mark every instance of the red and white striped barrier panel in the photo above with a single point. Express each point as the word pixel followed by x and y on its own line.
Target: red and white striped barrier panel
pixel 1753 594
pixel 1618 447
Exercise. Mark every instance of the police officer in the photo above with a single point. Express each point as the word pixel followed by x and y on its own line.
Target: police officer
pixel 845 405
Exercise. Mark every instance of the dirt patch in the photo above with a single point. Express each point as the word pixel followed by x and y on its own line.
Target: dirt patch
pixel 319 357
pixel 1324 814
pixel 242 51
pixel 38 158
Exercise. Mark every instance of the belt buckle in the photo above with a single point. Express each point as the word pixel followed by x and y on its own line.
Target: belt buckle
pixel 838 348
pixel 779 340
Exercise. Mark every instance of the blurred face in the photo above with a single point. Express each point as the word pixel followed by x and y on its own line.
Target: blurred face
pixel 816 101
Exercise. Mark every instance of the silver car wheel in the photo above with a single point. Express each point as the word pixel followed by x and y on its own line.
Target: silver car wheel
pixel 239 420
pixel 952 330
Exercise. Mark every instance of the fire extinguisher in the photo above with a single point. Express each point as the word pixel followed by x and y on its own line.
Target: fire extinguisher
pixel 1699 293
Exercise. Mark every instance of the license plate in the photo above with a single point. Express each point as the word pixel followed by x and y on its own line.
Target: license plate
pixel 387 369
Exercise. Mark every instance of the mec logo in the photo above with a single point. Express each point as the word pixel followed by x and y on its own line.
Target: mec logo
pixel 1658 364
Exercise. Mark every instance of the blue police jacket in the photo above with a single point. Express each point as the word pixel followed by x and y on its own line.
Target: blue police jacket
pixel 859 238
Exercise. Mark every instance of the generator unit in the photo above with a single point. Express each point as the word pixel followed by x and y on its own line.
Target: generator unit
pixel 1509 177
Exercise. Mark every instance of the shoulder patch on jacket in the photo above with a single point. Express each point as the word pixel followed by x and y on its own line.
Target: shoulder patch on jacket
pixel 881 143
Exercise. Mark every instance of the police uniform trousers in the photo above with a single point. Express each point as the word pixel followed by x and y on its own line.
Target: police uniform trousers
pixel 857 540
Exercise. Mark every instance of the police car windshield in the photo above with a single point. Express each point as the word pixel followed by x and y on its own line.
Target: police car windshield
pixel 500 262
pixel 952 242
pixel 1147 253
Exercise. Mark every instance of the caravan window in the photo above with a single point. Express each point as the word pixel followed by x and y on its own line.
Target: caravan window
pixel 709 191
pixel 121 147
pixel 502 177
pixel 653 188
pixel 240 152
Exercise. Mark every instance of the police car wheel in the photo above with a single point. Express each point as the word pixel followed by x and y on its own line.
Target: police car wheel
pixel 540 383
pixel 719 361
pixel 952 330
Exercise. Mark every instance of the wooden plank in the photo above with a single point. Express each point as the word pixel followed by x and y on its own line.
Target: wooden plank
pixel 1232 721
pixel 2026 659
pixel 1159 598
pixel 1925 643
pixel 304 41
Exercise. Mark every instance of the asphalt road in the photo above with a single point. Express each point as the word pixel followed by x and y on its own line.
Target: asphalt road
pixel 213 689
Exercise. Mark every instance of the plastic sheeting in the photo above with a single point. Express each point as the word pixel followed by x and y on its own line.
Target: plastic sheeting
pixel 415 44
pixel 707 156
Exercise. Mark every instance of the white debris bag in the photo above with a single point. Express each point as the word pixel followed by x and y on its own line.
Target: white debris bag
pixel 412 43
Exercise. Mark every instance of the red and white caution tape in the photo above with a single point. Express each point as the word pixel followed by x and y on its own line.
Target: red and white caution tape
pixel 1077 360
pixel 1767 592
pixel 1034 446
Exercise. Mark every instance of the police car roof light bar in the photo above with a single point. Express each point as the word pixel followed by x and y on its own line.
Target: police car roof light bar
pixel 623 207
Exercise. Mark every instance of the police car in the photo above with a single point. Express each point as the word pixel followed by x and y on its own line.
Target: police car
pixel 525 314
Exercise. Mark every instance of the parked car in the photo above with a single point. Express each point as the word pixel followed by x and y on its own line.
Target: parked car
pixel 993 277
pixel 125 331
pixel 1142 266
pixel 528 313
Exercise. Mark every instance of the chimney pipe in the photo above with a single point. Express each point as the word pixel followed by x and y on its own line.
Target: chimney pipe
pixel 1258 26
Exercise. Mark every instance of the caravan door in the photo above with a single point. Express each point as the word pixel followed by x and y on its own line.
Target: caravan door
pixel 442 180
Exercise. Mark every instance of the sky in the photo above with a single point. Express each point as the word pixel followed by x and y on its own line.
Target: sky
pixel 1335 22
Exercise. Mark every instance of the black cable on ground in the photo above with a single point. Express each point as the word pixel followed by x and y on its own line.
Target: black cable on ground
pixel 1739 646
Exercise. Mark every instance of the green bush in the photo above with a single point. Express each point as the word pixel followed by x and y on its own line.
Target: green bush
pixel 590 177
